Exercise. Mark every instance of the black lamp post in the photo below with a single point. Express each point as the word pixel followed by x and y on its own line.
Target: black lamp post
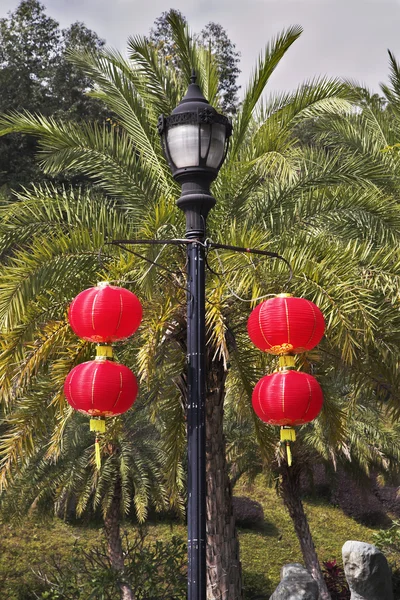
pixel 195 140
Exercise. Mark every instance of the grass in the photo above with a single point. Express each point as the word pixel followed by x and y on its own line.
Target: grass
pixel 30 544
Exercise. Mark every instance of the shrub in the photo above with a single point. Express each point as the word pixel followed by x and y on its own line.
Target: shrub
pixel 335 580
pixel 154 571
pixel 388 540
pixel 248 512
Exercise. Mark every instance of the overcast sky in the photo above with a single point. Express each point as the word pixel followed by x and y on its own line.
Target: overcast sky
pixel 347 38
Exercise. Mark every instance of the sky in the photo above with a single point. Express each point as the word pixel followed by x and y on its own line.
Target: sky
pixel 345 38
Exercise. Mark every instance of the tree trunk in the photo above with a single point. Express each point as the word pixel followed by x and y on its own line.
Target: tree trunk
pixel 224 575
pixel 114 542
pixel 290 489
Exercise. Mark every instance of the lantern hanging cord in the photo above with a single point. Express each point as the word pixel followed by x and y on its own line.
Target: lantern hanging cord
pixel 122 243
pixel 208 244
pixel 152 262
pixel 215 246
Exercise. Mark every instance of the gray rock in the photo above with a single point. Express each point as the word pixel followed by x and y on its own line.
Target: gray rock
pixel 367 572
pixel 296 584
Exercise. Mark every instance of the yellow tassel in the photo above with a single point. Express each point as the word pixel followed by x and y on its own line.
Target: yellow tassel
pixel 97 454
pixel 289 454
pixel 288 434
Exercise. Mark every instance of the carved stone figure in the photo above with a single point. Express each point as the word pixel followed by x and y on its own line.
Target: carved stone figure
pixel 367 572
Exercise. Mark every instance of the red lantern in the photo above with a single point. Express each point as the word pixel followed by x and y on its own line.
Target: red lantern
pixel 105 313
pixel 285 324
pixel 101 388
pixel 287 398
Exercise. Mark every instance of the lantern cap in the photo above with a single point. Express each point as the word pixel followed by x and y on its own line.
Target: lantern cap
pixel 286 361
pixel 194 108
pixel 194 95
pixel 103 352
pixel 288 434
pixel 98 424
pixel 284 295
pixel 103 284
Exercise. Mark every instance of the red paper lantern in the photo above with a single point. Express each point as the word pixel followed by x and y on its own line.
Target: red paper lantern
pixel 101 388
pixel 105 313
pixel 287 398
pixel 285 324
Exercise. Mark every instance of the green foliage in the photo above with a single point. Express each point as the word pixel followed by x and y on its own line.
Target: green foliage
pixel 36 76
pixel 69 562
pixel 388 540
pixel 58 475
pixel 318 209
pixel 154 571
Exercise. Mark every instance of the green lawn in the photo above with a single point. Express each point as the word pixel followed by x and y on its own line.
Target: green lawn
pixel 28 545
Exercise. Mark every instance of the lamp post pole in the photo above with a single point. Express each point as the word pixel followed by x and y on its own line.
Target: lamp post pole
pixel 196 397
pixel 195 139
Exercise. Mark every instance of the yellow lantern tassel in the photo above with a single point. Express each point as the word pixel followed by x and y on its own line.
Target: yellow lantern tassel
pixel 289 454
pixel 99 426
pixel 288 435
pixel 97 454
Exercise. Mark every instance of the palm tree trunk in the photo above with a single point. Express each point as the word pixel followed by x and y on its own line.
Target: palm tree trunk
pixel 114 542
pixel 290 490
pixel 224 576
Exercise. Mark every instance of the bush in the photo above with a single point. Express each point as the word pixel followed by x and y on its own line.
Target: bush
pixel 335 580
pixel 154 572
pixel 248 512
pixel 388 540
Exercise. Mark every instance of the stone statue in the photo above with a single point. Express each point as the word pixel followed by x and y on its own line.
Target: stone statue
pixel 367 572
pixel 296 584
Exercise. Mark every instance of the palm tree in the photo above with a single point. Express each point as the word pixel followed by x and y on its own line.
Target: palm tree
pixel 63 478
pixel 271 193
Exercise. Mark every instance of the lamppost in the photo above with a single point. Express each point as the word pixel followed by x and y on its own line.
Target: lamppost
pixel 195 140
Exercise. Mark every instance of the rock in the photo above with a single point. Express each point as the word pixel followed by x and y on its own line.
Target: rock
pixel 367 572
pixel 248 512
pixel 296 584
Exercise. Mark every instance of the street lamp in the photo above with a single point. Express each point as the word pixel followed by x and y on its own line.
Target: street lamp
pixel 195 141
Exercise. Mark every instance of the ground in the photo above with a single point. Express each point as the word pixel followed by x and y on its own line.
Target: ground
pixel 30 544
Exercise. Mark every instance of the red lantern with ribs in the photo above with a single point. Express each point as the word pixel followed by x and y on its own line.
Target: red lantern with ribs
pixel 287 398
pixel 101 388
pixel 105 313
pixel 286 324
